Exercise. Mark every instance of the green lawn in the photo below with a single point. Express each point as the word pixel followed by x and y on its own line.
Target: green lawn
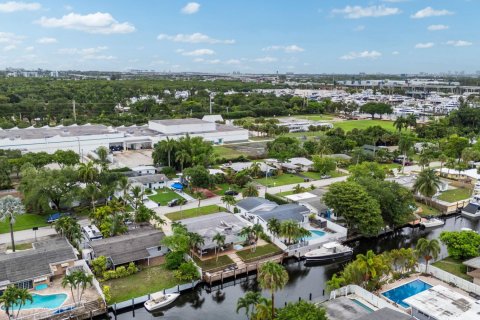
pixel 285 193
pixel 149 280
pixel 194 212
pixel 320 117
pixel 455 195
pixel 349 125
pixel 21 246
pixel 25 222
pixel 427 210
pixel 226 152
pixel 212 263
pixel 269 249
pixel 454 267
pixel 163 196
pixel 317 176
pixel 221 188
pixel 280 180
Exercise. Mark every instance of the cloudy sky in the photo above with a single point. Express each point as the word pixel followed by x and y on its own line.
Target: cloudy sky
pixel 342 36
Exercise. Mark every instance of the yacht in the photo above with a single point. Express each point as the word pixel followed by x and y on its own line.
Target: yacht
pixel 330 252
pixel 159 300
pixel 472 210
pixel 430 223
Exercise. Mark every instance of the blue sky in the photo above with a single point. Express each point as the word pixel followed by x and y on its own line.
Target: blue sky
pixel 301 36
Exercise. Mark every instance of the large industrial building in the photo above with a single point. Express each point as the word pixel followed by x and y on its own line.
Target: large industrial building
pixel 89 137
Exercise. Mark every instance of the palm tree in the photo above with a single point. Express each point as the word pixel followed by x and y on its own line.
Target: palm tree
pixel 298 189
pixel 251 299
pixel 195 240
pixel 404 146
pixel 83 280
pixel 71 281
pixel 70 229
pixel 168 145
pixel 450 164
pixel 199 195
pixel 289 230
pixel 102 154
pixel 183 157
pixel 136 198
pixel 229 200
pixel 87 172
pixel 272 276
pixel 250 190
pixel 255 170
pixel 399 123
pixel 124 185
pixel 263 309
pixel 91 191
pixel 219 240
pixel 428 249
pixel 273 225
pixel 10 208
pixel 442 158
pixel 427 183
pixel 322 147
pixel 257 230
pixel 22 297
pixel 247 233
pixel 367 264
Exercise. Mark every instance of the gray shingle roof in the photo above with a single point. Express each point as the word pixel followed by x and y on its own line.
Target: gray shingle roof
pixel 284 212
pixel 150 178
pixel 30 264
pixel 252 202
pixel 386 314
pixel 473 263
pixel 128 247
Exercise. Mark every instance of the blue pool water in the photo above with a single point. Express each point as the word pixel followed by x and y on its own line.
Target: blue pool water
pixel 369 310
pixel 41 286
pixel 51 301
pixel 405 291
pixel 315 234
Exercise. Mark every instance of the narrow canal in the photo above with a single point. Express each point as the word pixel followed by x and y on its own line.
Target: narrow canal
pixel 220 302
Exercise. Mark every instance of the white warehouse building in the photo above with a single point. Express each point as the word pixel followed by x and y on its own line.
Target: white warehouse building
pixel 86 138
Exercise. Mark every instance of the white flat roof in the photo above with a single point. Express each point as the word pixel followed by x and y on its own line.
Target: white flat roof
pixel 443 303
pixel 301 196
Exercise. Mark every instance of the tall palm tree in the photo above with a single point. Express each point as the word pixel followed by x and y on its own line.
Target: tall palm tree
pixel 405 145
pixel 289 230
pixel 442 158
pixel 257 230
pixel 10 208
pixel 263 309
pixel 273 277
pixel 367 263
pixel 250 300
pixel 450 164
pixel 87 172
pixel 427 184
pixel 102 154
pixel 136 198
pixel 83 280
pixel 219 240
pixel 399 123
pixel 195 240
pixel 92 191
pixel 428 249
pixel 183 157
pixel 250 190
pixel 167 146
pixel 124 185
pixel 255 170
pixel 22 297
pixel 71 281
pixel 273 225
pixel 14 297
pixel 229 200
pixel 70 229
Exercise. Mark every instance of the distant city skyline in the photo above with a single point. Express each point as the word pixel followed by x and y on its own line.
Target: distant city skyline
pixel 331 36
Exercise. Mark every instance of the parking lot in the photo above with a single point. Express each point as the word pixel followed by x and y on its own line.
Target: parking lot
pixel 132 158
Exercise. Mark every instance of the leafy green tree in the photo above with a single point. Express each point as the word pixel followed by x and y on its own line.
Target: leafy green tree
pixel 301 310
pixel 99 265
pixel 66 157
pixel 242 178
pixel 198 177
pixel 250 190
pixel 454 145
pixel 336 282
pixel 367 169
pixel 373 108
pixel 229 200
pixel 283 148
pixel 324 165
pixel 5 171
pixel 144 214
pixel 461 245
pixel 10 208
pixel 274 226
pixel 272 277
pixel 428 249
pixel 179 241
pixel 102 153
pixel 361 212
pixel 87 172
pixel 427 184
pixel 70 229
pixel 187 271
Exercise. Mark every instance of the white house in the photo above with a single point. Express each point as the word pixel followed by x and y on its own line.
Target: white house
pixel 239 166
pixel 303 163
pixel 253 204
pixel 151 181
pixel 144 170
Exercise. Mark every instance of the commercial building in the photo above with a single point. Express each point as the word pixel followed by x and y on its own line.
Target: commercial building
pixel 86 138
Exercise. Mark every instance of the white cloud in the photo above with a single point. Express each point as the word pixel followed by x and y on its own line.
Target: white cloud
pixel 459 43
pixel 99 22
pixel 361 55
pixel 233 61
pixel 430 12
pixel 193 38
pixel 84 51
pixel 395 53
pixel 29 48
pixel 10 47
pixel 425 45
pixel 10 38
pixel 191 8
pixel 98 57
pixel 266 59
pixel 357 12
pixel 13 6
pixel 46 40
pixel 198 52
pixel 287 49
pixel 359 28
pixel 437 27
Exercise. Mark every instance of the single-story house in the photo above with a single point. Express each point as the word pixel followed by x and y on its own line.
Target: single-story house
pixel 284 212
pixel 239 166
pixel 289 167
pixel 150 181
pixel 29 268
pixel 311 201
pixel 303 163
pixel 253 204
pixel 473 269
pixel 212 118
pixel 143 170
pixel 140 245
pixel 470 175
pixel 373 149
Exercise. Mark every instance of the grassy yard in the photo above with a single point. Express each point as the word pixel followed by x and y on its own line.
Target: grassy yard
pixel 317 176
pixel 149 280
pixel 163 196
pixel 349 125
pixel 280 180
pixel 455 195
pixel 269 249
pixel 212 263
pixel 194 212
pixel 25 222
pixel 285 193
pixel 454 267
pixel 21 246
pixel 427 210
pixel 221 188
pixel 226 152
pixel 320 117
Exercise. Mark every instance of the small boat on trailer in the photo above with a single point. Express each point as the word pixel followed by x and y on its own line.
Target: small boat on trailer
pixel 330 252
pixel 159 300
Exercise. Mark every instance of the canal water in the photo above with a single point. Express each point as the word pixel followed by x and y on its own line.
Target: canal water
pixel 219 302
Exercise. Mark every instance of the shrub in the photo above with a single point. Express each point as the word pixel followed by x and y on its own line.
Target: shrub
pixel 107 294
pixel 186 272
pixel 148 191
pixel 110 274
pixel 132 268
pixel 121 272
pixel 173 260
pixel 99 265
pixel 169 172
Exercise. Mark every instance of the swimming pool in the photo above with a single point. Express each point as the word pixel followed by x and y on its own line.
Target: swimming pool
pixel 51 301
pixel 405 291
pixel 315 234
pixel 361 304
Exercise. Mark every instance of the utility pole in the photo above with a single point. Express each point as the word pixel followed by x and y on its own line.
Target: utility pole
pixel 74 112
pixel 210 103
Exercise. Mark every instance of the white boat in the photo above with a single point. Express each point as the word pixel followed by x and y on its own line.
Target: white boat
pixel 330 252
pixel 472 210
pixel 431 223
pixel 159 300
